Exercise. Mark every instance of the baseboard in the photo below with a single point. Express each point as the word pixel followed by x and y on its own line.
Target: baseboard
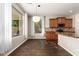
pixel 15 48
pixel 67 49
pixel 33 37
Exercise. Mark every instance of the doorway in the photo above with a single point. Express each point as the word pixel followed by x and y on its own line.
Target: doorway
pixel 38 28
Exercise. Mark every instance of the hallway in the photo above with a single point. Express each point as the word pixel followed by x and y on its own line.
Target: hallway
pixel 39 47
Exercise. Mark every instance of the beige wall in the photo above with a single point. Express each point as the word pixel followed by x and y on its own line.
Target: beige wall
pixel 76 24
pixel 18 40
pixel 5 27
pixel 30 27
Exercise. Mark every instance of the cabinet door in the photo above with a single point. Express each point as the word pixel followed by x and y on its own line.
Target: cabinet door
pixel 53 23
pixel 50 35
pixel 61 20
pixel 68 23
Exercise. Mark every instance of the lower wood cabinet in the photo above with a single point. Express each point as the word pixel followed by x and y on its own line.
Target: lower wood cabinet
pixel 51 36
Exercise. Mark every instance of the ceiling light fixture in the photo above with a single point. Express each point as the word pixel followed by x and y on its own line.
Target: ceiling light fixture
pixel 70 11
pixel 36 18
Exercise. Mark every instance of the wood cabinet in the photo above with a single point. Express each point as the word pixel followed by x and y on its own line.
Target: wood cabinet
pixel 68 23
pixel 61 20
pixel 53 23
pixel 51 36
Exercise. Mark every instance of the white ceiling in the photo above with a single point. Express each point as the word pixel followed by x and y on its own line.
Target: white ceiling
pixel 51 9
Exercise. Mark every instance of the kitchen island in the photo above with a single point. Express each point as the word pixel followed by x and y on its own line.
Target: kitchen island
pixel 69 42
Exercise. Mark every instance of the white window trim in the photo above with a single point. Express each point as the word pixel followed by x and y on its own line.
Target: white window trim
pixel 21 12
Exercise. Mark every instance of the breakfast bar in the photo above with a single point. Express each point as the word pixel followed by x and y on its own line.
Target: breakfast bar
pixel 69 42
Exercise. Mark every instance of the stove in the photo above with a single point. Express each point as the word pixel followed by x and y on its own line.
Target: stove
pixel 60 28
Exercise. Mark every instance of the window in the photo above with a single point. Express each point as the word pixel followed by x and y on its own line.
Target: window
pixel 16 22
pixel 37 26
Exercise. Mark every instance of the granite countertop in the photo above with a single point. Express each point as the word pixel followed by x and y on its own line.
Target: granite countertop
pixel 50 29
pixel 67 32
pixel 65 29
pixel 70 34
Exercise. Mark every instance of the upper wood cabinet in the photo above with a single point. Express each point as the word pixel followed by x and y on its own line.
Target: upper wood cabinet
pixel 68 23
pixel 53 23
pixel 61 20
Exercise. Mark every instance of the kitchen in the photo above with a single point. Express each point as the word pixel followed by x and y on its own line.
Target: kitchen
pixel 64 32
